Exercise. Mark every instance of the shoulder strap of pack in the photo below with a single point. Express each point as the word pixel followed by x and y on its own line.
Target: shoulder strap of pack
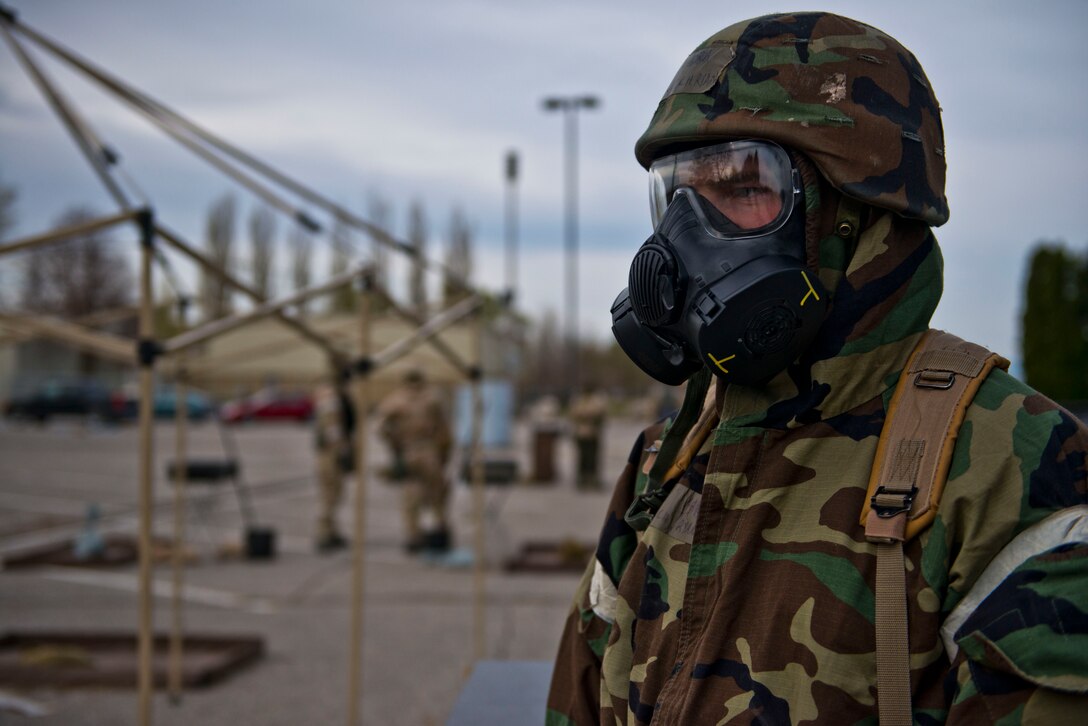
pixel 690 421
pixel 919 435
pixel 911 465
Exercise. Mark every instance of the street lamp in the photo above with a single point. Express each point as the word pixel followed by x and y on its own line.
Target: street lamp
pixel 570 105
pixel 510 231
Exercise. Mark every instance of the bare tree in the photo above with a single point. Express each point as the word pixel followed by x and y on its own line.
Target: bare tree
pixel 343 300
pixel 458 260
pixel 7 209
pixel 302 246
pixel 77 277
pixel 215 296
pixel 543 372
pixel 262 229
pixel 417 240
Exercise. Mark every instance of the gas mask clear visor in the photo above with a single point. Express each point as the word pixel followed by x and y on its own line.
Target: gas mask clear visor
pixel 744 188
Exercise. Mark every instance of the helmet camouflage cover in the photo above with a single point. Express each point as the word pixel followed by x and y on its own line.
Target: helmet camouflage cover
pixel 845 94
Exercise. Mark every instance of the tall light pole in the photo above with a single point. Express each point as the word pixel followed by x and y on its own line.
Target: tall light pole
pixel 570 105
pixel 510 231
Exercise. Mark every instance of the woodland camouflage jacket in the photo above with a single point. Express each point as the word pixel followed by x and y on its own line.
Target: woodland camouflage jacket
pixel 750 598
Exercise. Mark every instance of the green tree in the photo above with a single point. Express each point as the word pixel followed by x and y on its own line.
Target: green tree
pixel 379 212
pixel 458 271
pixel 302 246
pixel 7 209
pixel 215 295
pixel 343 299
pixel 417 240
pixel 262 230
pixel 77 277
pixel 1054 333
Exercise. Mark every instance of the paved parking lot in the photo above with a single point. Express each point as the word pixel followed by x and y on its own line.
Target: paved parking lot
pixel 418 628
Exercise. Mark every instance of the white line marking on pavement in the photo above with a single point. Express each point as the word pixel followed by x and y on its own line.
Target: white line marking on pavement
pixel 161 588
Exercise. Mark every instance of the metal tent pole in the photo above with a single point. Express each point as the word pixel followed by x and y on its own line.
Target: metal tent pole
pixel 181 473
pixel 177 126
pixel 210 267
pixel 67 232
pixel 196 336
pixel 479 574
pixel 105 345
pixel 358 580
pixel 443 348
pixel 427 330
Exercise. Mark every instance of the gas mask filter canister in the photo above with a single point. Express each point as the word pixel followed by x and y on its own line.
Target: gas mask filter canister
pixel 722 280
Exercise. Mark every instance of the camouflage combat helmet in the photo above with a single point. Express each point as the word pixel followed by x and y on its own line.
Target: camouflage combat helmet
pixel 848 96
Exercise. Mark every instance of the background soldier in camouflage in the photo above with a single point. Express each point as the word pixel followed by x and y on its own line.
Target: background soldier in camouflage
pixel 587 415
pixel 334 418
pixel 750 596
pixel 414 421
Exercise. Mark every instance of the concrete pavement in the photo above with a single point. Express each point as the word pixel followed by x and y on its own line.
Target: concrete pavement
pixel 418 626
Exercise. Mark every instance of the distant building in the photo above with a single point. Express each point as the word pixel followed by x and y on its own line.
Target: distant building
pixel 27 361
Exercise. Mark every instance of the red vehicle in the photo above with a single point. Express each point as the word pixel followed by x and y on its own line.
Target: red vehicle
pixel 269 406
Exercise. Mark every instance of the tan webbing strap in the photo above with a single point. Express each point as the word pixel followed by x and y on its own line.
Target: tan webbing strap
pixel 708 421
pixel 911 465
pixel 892 642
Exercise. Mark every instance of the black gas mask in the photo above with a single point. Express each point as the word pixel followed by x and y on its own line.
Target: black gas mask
pixel 722 281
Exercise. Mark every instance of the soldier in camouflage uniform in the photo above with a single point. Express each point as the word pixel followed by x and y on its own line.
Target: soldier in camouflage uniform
pixel 749 598
pixel 414 421
pixel 334 418
pixel 587 416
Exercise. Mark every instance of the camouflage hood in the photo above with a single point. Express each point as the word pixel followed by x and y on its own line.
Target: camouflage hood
pixel 849 96
pixel 885 277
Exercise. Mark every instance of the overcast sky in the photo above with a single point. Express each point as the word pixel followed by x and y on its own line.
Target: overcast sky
pixel 421 100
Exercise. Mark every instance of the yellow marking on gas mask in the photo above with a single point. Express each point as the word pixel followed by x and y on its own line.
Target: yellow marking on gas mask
pixel 811 290
pixel 718 361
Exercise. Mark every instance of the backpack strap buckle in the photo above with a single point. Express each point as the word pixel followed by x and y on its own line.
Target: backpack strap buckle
pixel 935 379
pixel 889 501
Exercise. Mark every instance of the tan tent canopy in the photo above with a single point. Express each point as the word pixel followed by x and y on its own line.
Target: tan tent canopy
pixel 267 351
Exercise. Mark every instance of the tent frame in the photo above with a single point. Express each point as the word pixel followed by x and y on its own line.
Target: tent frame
pixel 146 351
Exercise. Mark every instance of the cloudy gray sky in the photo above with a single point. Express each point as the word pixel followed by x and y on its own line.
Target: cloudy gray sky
pixel 421 100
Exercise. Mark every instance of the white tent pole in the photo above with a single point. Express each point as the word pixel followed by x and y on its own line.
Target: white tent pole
pixel 181 475
pixel 206 332
pixel 67 232
pixel 427 330
pixel 478 494
pixel 207 265
pixel 105 345
pixel 358 581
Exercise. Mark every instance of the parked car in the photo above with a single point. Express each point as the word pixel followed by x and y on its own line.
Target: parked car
pixel 84 398
pixel 164 404
pixel 269 406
